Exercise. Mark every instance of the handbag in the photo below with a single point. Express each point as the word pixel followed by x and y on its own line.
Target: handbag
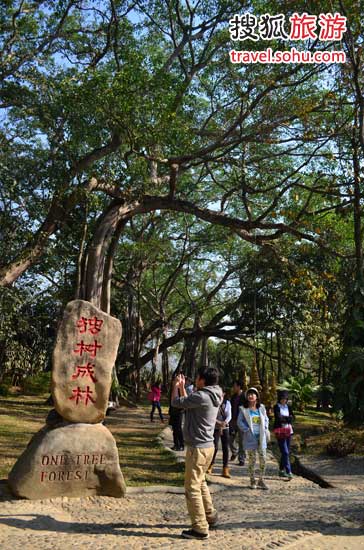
pixel 284 432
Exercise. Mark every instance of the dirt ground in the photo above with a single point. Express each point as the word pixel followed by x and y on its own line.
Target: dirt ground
pixel 295 515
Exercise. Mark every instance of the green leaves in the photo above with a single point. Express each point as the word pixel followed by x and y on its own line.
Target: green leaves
pixel 126 93
pixel 302 388
pixel 349 394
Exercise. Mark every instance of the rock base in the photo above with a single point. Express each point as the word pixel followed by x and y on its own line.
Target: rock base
pixel 72 460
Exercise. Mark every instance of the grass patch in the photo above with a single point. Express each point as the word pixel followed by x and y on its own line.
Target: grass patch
pixel 316 429
pixel 143 460
pixel 20 418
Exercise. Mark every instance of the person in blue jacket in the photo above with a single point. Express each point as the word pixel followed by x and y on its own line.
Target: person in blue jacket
pixel 254 424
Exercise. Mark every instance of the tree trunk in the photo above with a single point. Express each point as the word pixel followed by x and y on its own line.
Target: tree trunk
pixel 271 353
pixel 319 372
pixel 357 212
pixel 181 362
pixel 218 360
pixel 204 354
pixel 293 356
pixel 279 357
pixel 2 359
pixel 93 278
pixel 129 322
pixel 80 259
pixel 155 359
pixel 257 361
pixel 108 268
pixel 165 370
pixel 190 356
pixel 324 378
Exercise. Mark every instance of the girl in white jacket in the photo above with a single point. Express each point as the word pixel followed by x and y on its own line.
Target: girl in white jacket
pixel 254 423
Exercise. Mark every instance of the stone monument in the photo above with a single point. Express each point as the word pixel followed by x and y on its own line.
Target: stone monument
pixel 74 454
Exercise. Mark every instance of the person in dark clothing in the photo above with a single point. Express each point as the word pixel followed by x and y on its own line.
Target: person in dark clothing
pixel 222 432
pixel 176 418
pixel 175 421
pixel 236 438
pixel 283 418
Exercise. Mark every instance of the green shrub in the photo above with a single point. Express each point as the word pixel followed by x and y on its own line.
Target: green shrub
pixel 349 396
pixel 4 390
pixel 340 445
pixel 118 391
pixel 38 384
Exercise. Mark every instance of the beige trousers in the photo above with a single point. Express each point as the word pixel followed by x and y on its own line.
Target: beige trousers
pixel 198 498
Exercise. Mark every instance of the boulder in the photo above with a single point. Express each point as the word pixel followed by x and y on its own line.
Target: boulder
pixel 83 359
pixel 73 460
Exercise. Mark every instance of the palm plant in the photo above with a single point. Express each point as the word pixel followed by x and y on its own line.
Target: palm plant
pixel 302 389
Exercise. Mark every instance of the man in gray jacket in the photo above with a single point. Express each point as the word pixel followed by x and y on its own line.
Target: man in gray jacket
pixel 201 411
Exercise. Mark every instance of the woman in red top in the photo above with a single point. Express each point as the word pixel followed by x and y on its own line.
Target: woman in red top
pixel 156 398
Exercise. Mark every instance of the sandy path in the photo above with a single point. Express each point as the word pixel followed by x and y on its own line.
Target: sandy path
pixel 295 515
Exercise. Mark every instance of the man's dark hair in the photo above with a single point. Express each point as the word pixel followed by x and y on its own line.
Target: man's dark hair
pixel 238 383
pixel 209 374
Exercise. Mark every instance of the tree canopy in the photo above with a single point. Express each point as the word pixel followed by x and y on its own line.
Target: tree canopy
pixel 191 197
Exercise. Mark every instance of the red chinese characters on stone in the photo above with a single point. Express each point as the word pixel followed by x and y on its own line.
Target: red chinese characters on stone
pixel 87 348
pixel 84 396
pixel 85 325
pixel 85 370
pixel 93 325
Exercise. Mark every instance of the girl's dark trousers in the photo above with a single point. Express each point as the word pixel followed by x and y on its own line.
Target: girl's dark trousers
pixel 156 405
pixel 224 436
pixel 176 424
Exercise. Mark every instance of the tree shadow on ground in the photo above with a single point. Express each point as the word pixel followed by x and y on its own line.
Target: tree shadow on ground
pixel 41 522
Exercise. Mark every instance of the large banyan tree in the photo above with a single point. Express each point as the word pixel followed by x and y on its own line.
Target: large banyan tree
pixel 122 111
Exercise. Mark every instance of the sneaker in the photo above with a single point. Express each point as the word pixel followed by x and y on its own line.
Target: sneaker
pixel 233 457
pixel 262 485
pixel 253 484
pixel 282 473
pixel 192 534
pixel 288 476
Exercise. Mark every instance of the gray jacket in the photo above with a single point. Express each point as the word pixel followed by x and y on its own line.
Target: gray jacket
pixel 201 411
